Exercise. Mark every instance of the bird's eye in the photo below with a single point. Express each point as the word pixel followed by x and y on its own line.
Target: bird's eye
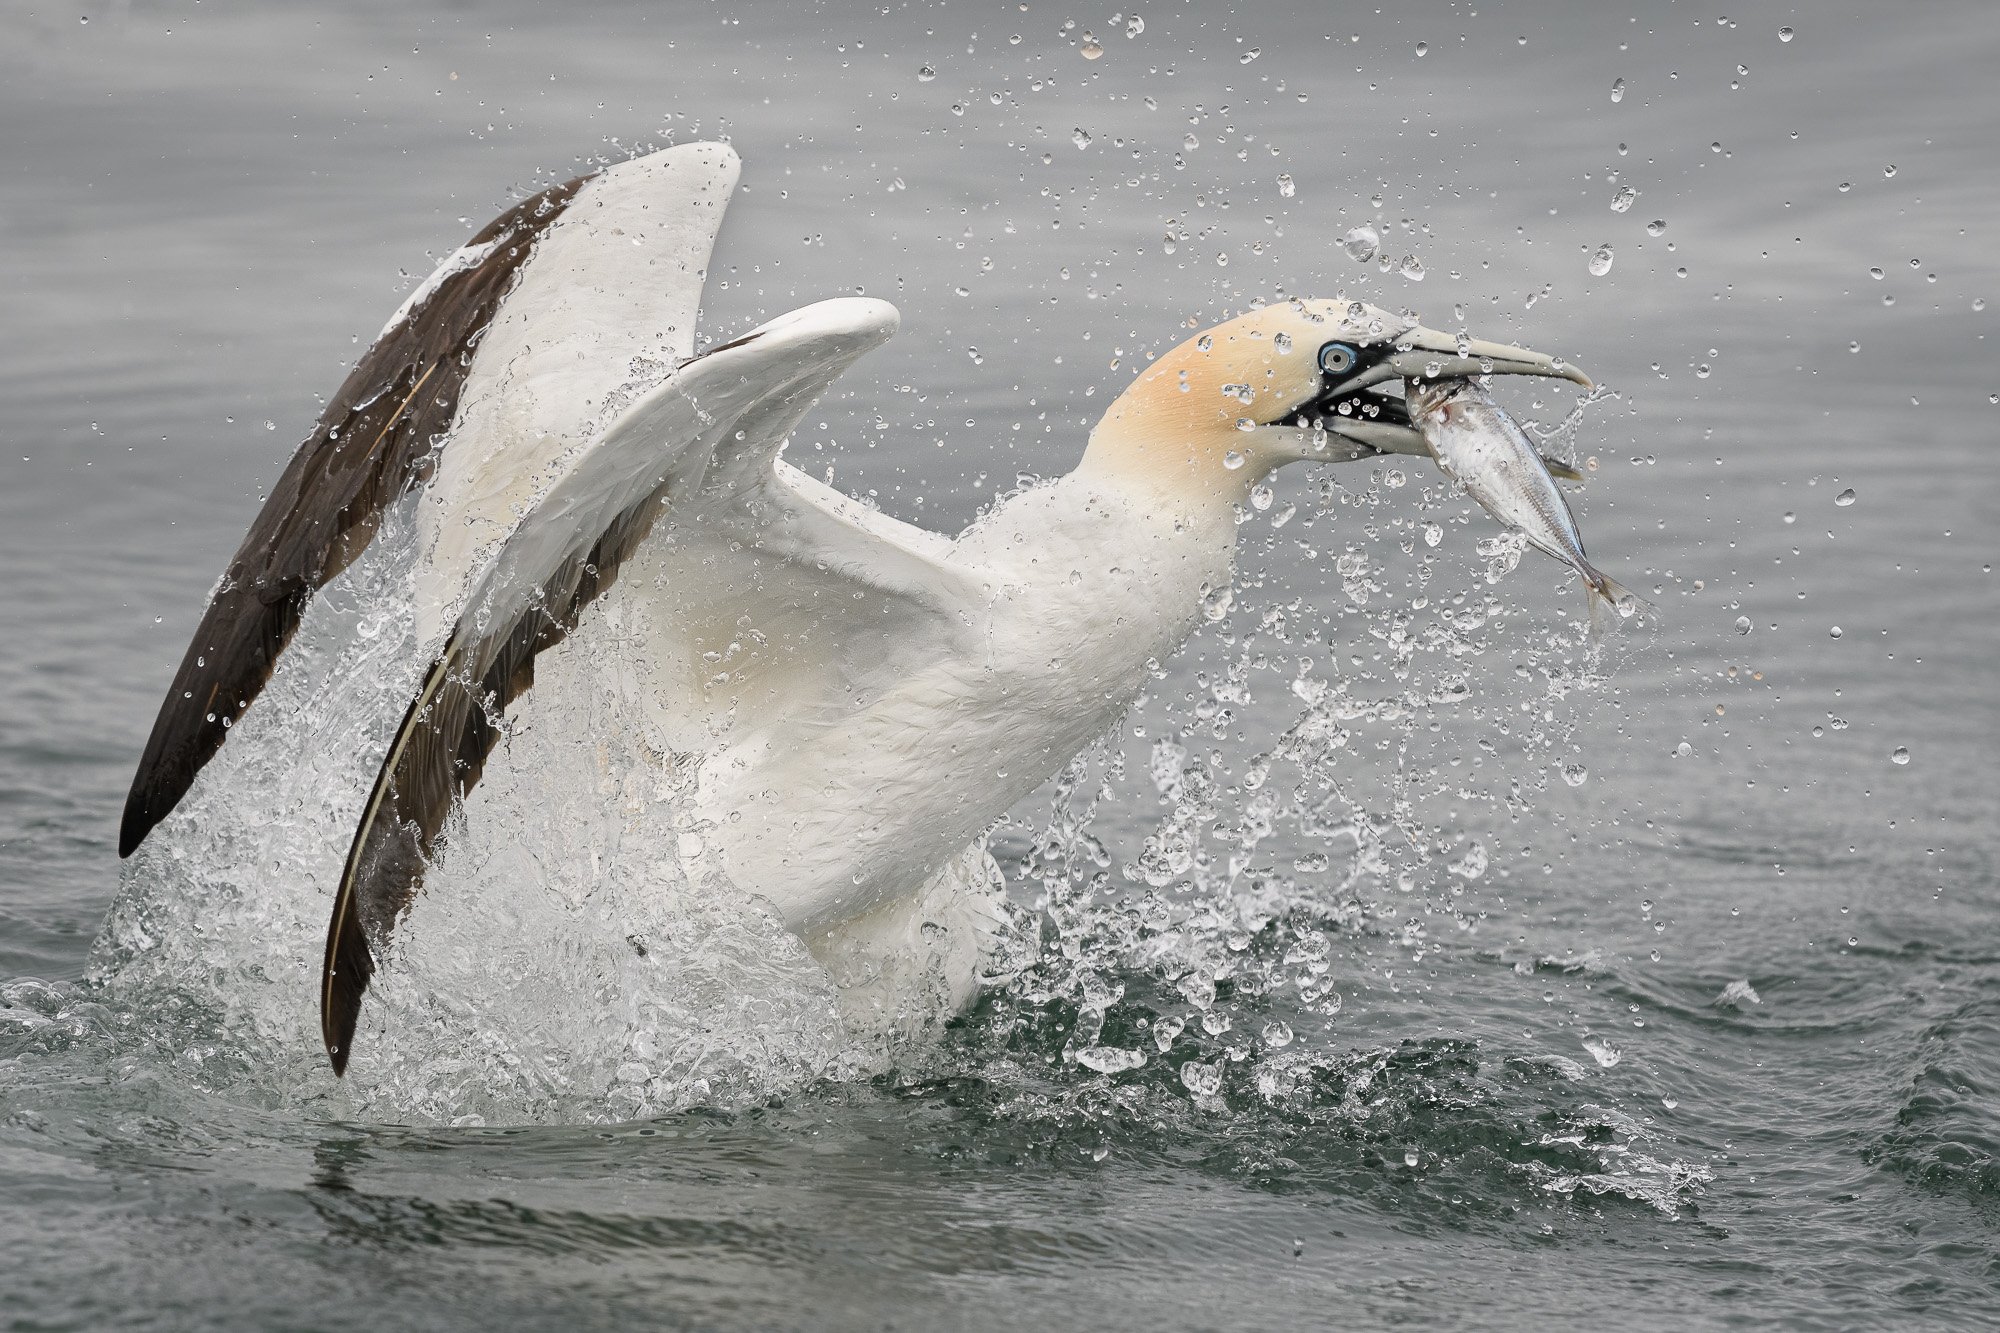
pixel 1338 358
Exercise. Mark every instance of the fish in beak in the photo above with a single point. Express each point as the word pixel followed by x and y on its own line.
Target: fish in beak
pixel 1350 405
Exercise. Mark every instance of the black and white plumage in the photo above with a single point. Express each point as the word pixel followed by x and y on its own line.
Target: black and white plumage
pixel 376 441
pixel 862 698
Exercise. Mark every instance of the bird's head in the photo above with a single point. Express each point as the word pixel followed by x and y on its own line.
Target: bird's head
pixel 1305 379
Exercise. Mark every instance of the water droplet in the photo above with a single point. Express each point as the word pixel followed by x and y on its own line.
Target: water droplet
pixel 926 74
pixel 1423 49
pixel 1109 1060
pixel 1277 1035
pixel 1281 342
pixel 1200 1079
pixel 1618 90
pixel 1411 268
pixel 1361 244
pixel 1286 186
pixel 1900 755
pixel 1433 534
pixel 1624 199
pixel 1656 226
pixel 1250 55
pixel 1410 1157
pixel 1603 1052
pixel 1080 137
pixel 1600 261
pixel 1134 26
pixel 1791 517
pixel 1703 371
pixel 1845 186
pixel 1261 496
pixel 1742 624
pixel 1090 49
pixel 1234 460
pixel 1575 774
pixel 1833 633
pixel 1784 34
pixel 1845 498
pixel 1684 750
pixel 1889 170
pixel 1875 273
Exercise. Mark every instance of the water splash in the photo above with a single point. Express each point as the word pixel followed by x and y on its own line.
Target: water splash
pixel 562 967
pixel 559 965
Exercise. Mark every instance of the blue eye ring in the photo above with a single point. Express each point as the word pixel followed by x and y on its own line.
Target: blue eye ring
pixel 1338 358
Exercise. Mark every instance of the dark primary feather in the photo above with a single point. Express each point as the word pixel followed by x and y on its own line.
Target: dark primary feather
pixel 438 754
pixel 375 442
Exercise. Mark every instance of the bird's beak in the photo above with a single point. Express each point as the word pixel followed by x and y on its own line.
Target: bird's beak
pixel 1381 422
pixel 1423 353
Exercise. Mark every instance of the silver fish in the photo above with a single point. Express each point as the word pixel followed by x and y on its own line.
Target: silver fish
pixel 1478 445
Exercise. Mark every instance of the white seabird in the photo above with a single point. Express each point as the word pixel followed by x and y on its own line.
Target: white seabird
pixel 865 697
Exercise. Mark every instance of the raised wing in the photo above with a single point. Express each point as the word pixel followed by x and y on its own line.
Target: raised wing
pixel 607 269
pixel 703 444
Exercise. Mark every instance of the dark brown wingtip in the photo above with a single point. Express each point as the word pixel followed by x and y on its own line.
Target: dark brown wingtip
pixel 349 965
pixel 136 824
pixel 436 756
pixel 373 444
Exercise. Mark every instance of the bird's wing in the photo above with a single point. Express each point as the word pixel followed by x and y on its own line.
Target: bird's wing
pixel 698 451
pixel 608 269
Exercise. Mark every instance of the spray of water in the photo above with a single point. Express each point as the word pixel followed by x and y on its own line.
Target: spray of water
pixel 1329 771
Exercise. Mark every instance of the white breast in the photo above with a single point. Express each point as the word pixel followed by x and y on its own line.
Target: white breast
pixel 1079 590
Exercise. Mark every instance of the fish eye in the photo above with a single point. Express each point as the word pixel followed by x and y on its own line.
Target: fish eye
pixel 1339 358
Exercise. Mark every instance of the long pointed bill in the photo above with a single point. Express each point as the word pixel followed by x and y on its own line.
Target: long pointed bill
pixel 1381 423
pixel 1423 353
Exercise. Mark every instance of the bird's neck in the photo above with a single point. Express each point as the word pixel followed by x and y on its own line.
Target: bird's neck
pixel 1179 435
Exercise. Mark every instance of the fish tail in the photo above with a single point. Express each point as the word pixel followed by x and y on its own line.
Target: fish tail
pixel 1611 602
pixel 1555 467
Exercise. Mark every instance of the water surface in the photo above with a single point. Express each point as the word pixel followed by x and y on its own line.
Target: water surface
pixel 1706 1039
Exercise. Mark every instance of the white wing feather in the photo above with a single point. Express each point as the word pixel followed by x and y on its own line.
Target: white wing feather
pixel 690 466
pixel 603 311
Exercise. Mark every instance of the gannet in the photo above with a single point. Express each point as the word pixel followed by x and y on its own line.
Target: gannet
pixel 864 698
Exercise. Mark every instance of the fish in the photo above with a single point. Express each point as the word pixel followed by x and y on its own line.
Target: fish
pixel 1480 447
